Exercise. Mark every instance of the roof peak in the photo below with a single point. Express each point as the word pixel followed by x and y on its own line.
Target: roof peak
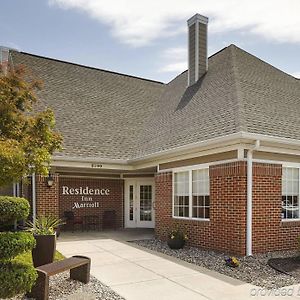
pixel 88 67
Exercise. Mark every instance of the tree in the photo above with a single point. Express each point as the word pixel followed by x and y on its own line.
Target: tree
pixel 27 133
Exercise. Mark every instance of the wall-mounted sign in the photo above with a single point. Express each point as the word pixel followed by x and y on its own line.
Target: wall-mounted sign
pixel 86 194
pixel 85 204
pixel 84 191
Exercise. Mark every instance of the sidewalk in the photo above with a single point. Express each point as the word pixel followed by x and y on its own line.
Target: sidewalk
pixel 136 273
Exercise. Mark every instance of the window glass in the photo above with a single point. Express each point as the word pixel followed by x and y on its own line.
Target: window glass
pixel 181 194
pixel 199 200
pixel 200 194
pixel 290 193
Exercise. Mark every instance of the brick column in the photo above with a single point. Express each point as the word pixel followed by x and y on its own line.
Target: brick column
pixel 163 204
pixel 266 203
pixel 47 198
pixel 228 194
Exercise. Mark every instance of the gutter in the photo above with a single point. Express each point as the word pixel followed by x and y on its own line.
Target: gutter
pixel 90 160
pixel 249 196
pixel 153 157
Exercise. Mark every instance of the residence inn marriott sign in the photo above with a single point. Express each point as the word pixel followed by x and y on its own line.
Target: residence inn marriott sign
pixel 86 196
pixel 90 196
pixel 215 151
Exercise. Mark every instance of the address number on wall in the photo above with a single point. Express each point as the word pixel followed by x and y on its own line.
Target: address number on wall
pixel 97 166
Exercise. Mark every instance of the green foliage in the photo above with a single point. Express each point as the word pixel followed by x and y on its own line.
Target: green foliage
pixel 13 209
pixel 16 279
pixel 15 243
pixel 178 234
pixel 18 276
pixel 45 225
pixel 27 136
pixel 26 258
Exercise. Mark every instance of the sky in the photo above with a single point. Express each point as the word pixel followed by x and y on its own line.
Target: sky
pixel 149 38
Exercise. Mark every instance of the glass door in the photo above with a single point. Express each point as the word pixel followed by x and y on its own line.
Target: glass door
pixel 139 203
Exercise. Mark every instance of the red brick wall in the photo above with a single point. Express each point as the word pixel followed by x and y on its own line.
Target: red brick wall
pixel 228 186
pixel 226 229
pixel 269 232
pixel 289 233
pixel 266 207
pixel 113 201
pixel 47 197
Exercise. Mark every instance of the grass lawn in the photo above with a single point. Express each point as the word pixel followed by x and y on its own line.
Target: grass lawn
pixel 26 258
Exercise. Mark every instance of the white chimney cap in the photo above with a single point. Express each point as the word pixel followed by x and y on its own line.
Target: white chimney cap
pixel 197 17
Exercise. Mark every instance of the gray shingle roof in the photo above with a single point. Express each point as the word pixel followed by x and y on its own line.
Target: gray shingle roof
pixel 99 113
pixel 103 114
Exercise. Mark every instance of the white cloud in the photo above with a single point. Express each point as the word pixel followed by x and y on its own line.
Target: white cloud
pixel 140 22
pixel 177 67
pixel 176 60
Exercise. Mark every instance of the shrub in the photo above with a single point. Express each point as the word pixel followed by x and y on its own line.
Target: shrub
pixel 44 225
pixel 13 244
pixel 13 209
pixel 177 234
pixel 16 279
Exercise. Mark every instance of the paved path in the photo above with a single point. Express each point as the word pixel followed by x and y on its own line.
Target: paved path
pixel 136 274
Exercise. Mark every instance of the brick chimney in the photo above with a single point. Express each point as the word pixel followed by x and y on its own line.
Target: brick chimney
pixel 197 48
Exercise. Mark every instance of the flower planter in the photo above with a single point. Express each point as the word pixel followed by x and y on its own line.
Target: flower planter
pixel 176 243
pixel 44 251
pixel 232 262
pixel 57 231
pixel 231 265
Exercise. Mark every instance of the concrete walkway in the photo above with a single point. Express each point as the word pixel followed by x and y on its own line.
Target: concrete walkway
pixel 136 273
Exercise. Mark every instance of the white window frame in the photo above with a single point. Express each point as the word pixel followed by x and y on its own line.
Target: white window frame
pixel 190 169
pixel 292 166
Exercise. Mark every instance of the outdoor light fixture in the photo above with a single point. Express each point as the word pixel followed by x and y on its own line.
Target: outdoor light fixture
pixel 50 180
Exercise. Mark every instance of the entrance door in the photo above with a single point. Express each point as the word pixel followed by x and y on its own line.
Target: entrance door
pixel 139 203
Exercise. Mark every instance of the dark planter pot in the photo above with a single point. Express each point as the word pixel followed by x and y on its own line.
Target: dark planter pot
pixel 44 251
pixel 176 243
pixel 57 231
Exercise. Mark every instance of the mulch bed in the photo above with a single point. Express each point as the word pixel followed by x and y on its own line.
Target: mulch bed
pixel 287 265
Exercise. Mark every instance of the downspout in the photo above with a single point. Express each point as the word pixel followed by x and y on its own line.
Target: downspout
pixel 15 195
pixel 249 197
pixel 14 190
pixel 33 198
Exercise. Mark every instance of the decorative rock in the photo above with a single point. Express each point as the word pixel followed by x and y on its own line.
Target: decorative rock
pixel 64 288
pixel 253 269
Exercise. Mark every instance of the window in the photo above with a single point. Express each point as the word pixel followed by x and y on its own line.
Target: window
pixel 200 194
pixel 131 202
pixel 181 194
pixel 191 194
pixel 290 193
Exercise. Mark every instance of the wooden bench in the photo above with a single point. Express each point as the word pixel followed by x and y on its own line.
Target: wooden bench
pixel 79 267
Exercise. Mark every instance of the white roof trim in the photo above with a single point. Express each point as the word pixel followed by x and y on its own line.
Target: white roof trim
pixel 240 137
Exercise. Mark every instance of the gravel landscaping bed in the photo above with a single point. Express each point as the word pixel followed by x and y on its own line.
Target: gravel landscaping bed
pixel 62 288
pixel 254 270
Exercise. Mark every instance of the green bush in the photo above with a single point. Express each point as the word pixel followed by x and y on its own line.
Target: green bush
pixel 15 243
pixel 13 209
pixel 45 225
pixel 16 279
